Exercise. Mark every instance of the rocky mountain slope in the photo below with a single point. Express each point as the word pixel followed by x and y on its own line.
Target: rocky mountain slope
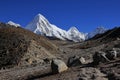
pixel 22 47
pixel 111 34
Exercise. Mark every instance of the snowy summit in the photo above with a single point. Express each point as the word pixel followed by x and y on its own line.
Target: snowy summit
pixel 40 25
pixel 98 30
pixel 75 35
pixel 14 24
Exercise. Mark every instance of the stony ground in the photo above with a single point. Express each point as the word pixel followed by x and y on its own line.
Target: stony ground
pixel 27 56
pixel 78 73
pixel 107 71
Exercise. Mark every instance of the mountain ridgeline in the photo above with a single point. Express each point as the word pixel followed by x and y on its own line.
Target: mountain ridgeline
pixel 40 25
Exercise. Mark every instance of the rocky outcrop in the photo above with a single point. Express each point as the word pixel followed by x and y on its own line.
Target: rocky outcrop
pixel 112 54
pixel 58 66
pixel 103 57
pixel 75 61
pixel 99 56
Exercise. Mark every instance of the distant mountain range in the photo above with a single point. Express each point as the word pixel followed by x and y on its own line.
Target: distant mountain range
pixel 40 25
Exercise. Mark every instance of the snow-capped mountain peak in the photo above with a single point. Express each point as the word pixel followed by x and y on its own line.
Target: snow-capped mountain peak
pixel 39 18
pixel 73 29
pixel 75 35
pixel 14 24
pixel 98 30
pixel 40 25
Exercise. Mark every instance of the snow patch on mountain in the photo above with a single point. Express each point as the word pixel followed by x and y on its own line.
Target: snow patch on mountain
pixel 13 24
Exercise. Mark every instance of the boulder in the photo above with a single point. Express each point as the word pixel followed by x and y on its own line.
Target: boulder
pixel 99 56
pixel 118 51
pixel 75 61
pixel 82 60
pixel 58 66
pixel 109 55
pixel 112 54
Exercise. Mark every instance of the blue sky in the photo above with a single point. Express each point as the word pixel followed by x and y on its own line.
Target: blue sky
pixel 86 15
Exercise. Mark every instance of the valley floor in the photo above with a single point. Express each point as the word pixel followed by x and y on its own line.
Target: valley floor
pixel 107 71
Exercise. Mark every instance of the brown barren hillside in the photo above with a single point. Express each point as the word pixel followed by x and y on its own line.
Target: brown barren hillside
pixel 20 46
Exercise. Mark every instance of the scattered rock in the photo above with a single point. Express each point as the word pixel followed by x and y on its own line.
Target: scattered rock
pixel 99 56
pixel 75 61
pixel 91 74
pixel 82 60
pixel 58 66
pixel 111 55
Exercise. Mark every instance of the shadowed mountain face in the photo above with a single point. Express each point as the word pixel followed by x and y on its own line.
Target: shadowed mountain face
pixel 101 39
pixel 110 34
pixel 17 46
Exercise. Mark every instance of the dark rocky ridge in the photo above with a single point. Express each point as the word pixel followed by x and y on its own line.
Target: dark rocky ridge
pixel 110 34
